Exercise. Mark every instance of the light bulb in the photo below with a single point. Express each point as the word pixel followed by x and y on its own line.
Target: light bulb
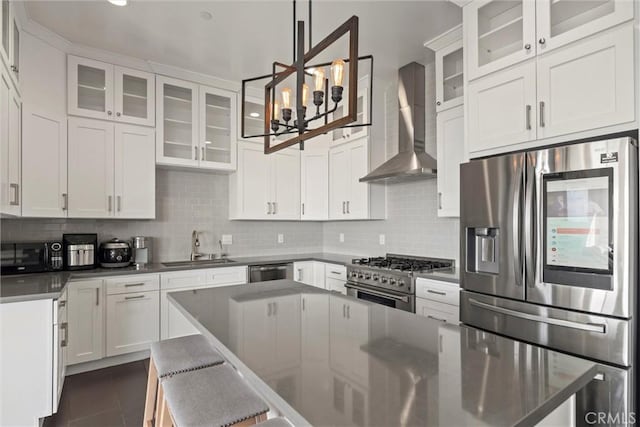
pixel 319 79
pixel 305 94
pixel 275 111
pixel 118 2
pixel 286 98
pixel 337 71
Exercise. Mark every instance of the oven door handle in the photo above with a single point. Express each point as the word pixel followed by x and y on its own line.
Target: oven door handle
pixel 380 294
pixel 591 327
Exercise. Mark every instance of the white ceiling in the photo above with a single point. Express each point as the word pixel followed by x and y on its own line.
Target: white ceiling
pixel 244 37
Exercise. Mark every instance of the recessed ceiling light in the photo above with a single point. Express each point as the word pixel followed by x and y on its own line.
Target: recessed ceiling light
pixel 206 15
pixel 118 2
pixel 254 115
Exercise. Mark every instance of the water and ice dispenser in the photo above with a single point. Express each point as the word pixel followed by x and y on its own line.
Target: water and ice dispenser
pixel 483 250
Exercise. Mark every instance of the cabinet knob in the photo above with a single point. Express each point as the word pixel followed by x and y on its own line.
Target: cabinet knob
pixel 118 114
pixel 438 103
pixel 542 40
pixel 527 46
pixel 109 113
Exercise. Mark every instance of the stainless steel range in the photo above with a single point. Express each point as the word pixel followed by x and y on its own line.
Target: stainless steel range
pixel 390 280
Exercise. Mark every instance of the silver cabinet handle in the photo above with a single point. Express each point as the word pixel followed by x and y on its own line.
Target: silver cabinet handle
pixel 62 303
pixel 136 297
pixel 439 200
pixel 275 208
pixel 344 310
pixel 119 203
pixel 348 312
pixel 65 201
pixel 431 291
pixel 590 327
pixel 344 207
pixel 541 114
pixel 16 194
pixel 64 327
pixel 202 154
pixel 118 114
pixel 195 155
pixel 334 272
pixel 129 285
pixel 528 116
pixel 109 113
pixel 527 46
pixel 97 296
pixel 436 318
pixel 109 202
pixel 268 309
pixel 348 208
pixel 303 209
pixel 299 274
pixel 268 208
pixel 542 40
pixel 275 308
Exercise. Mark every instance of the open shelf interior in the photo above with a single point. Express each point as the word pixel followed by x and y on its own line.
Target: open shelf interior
pixel 569 14
pixel 91 88
pixel 217 128
pixel 452 75
pixel 178 135
pixel 500 30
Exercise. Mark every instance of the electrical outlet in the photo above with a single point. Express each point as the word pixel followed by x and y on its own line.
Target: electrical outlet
pixel 341 237
pixel 280 238
pixel 227 239
pixel 382 239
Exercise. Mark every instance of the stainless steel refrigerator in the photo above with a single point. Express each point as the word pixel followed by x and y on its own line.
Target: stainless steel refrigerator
pixel 549 255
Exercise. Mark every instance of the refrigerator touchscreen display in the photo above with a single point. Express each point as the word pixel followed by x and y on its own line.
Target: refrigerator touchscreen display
pixel 578 221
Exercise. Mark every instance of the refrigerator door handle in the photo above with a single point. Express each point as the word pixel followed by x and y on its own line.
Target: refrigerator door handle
pixel 530 220
pixel 517 204
pixel 590 327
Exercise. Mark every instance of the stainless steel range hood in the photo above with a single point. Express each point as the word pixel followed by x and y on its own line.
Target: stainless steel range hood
pixel 411 162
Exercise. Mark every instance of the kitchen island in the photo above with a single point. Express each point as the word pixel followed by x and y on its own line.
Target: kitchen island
pixel 320 358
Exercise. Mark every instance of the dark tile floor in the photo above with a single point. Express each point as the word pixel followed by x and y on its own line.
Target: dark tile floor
pixel 107 397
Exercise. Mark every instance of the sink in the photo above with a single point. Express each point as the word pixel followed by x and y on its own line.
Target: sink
pixel 198 262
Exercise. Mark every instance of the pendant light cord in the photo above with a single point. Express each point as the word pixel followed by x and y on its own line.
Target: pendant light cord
pixel 294 27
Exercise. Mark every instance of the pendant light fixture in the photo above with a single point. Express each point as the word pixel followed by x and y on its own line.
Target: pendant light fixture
pixel 286 109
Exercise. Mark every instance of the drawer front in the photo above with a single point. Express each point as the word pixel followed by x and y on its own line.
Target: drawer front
pixel 446 313
pixel 183 279
pixel 447 293
pixel 226 276
pixel 134 283
pixel 336 271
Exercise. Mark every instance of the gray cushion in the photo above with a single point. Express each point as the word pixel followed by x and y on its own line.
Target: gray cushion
pixel 215 396
pixel 183 354
pixel 274 422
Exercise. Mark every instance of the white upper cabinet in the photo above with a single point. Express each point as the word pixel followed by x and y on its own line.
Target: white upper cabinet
pixel 103 91
pixel 217 129
pixel 502 108
pixel 560 22
pixel 348 197
pixel 498 33
pixel 449 68
pixel 587 85
pixel 265 186
pixel 5 30
pixel 10 32
pixel 196 126
pixel 44 165
pixel 450 141
pixel 10 142
pixel 314 182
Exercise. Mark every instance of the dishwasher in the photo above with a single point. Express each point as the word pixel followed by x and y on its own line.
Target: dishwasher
pixel 266 272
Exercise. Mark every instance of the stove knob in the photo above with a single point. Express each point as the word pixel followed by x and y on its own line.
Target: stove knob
pixel 375 277
pixel 400 283
pixel 367 276
pixel 361 276
pixel 392 281
pixel 383 279
pixel 354 274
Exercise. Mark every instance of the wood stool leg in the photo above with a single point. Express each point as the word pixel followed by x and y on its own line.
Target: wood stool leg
pixel 152 389
pixel 164 418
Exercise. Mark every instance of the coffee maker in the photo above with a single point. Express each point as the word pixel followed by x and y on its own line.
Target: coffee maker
pixel 141 250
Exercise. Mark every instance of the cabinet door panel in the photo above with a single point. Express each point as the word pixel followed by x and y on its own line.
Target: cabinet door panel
pixel 217 137
pixel 438 311
pixel 449 76
pixel 498 107
pixel 286 184
pixel 86 321
pixel 314 184
pixel 5 105
pixel 15 144
pixel 132 322
pixel 90 88
pixel 44 165
pixel 560 22
pixel 339 175
pixel 5 26
pixel 90 174
pixel 358 200
pixel 135 172
pixel 254 182
pixel 173 324
pixel 134 97
pixel 587 85
pixel 450 140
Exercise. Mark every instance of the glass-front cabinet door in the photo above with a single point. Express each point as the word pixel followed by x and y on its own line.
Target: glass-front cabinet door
pixel 563 21
pixel 177 124
pixel 90 88
pixel 499 33
pixel 5 29
pixel 449 76
pixel 134 96
pixel 217 129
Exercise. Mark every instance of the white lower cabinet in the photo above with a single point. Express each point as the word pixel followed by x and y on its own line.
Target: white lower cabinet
pixel 450 142
pixel 304 272
pixel 348 331
pixel 132 322
pixel 86 321
pixel 335 278
pixel 438 300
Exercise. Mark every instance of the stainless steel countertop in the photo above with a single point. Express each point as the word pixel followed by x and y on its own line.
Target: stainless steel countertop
pixel 27 287
pixel 320 363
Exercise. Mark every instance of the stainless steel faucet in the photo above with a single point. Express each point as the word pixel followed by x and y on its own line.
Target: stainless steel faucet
pixel 195 246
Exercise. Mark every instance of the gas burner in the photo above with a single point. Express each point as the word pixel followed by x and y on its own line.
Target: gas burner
pixel 404 263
